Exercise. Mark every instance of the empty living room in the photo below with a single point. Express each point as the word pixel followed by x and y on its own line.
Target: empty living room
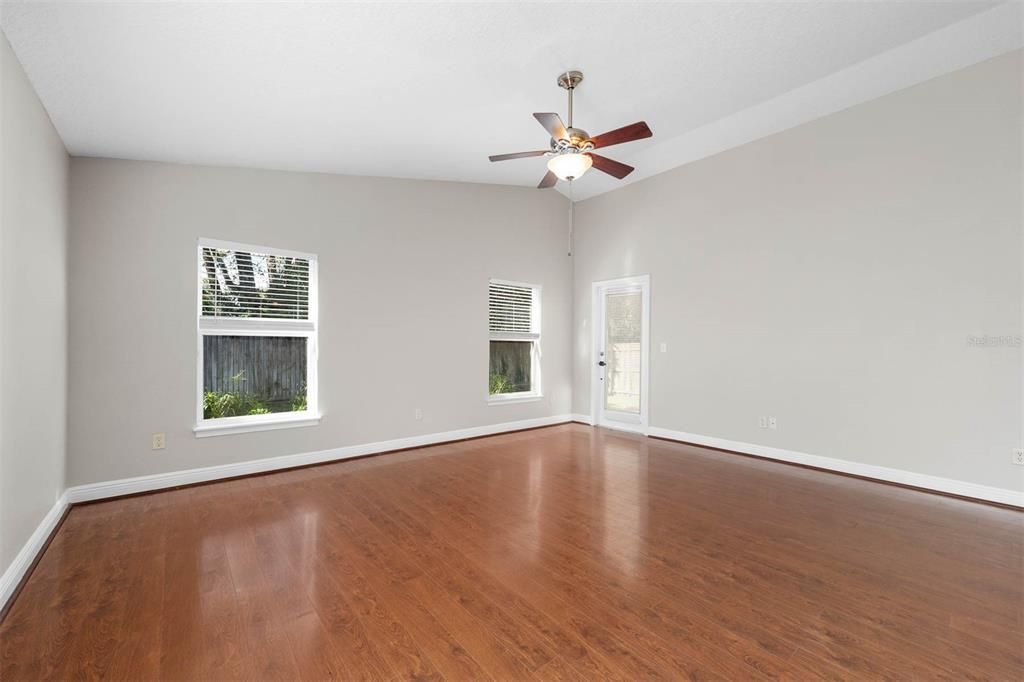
pixel 507 340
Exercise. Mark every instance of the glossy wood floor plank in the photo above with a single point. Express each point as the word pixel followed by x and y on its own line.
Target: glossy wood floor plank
pixel 565 553
pixel 633 649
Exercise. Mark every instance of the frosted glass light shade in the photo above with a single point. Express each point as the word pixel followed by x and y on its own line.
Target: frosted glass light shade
pixel 569 166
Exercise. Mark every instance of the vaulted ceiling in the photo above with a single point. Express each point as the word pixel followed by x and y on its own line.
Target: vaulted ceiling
pixel 429 90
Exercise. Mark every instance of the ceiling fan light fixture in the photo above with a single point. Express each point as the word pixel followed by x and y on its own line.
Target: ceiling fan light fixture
pixel 570 148
pixel 570 166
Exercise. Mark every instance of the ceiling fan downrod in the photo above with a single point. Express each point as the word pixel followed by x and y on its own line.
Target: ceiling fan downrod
pixel 568 81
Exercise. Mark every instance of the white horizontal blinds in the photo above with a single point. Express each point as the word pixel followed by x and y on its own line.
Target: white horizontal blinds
pixel 512 310
pixel 245 284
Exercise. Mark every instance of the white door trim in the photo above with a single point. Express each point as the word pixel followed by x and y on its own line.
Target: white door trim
pixel 597 318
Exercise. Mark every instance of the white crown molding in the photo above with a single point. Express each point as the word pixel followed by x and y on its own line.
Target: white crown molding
pixel 910 478
pixel 980 37
pixel 141 484
pixel 12 577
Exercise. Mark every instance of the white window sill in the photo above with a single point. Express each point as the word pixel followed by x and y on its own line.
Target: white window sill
pixel 213 427
pixel 502 398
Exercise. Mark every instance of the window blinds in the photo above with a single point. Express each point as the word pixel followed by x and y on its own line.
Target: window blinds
pixel 243 284
pixel 511 309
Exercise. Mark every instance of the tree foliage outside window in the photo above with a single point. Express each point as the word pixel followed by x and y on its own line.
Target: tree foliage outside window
pixel 257 327
pixel 511 366
pixel 244 284
pixel 514 330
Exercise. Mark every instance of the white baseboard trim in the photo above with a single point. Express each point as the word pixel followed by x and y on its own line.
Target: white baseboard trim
pixel 638 429
pixel 141 484
pixel 16 571
pixel 927 481
pixel 97 491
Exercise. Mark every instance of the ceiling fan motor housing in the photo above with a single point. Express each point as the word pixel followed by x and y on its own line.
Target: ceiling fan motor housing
pixel 578 141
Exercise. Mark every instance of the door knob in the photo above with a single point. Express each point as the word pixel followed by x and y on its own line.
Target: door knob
pixel 602 363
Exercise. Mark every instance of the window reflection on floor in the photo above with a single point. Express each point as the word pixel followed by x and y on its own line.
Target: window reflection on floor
pixel 625 507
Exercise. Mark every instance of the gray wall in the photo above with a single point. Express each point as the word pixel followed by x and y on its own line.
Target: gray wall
pixel 33 308
pixel 404 268
pixel 830 276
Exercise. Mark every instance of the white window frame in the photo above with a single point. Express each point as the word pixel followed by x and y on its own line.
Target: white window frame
pixel 535 355
pixel 234 326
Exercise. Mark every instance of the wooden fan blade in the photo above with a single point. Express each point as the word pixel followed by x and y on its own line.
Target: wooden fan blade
pixel 611 167
pixel 553 124
pixel 517 155
pixel 548 180
pixel 634 131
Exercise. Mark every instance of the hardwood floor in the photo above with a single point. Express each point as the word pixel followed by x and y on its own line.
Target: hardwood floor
pixel 560 553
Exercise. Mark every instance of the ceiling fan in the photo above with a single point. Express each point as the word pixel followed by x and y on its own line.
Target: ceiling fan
pixel 571 153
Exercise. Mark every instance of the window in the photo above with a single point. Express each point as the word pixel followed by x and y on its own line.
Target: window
pixel 514 326
pixel 257 338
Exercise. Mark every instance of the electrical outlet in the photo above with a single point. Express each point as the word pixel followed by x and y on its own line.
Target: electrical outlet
pixel 772 424
pixel 763 422
pixel 1018 456
pixel 418 414
pixel 664 347
pixel 159 441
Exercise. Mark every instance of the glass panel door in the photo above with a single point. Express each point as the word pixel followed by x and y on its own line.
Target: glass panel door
pixel 623 347
pixel 621 343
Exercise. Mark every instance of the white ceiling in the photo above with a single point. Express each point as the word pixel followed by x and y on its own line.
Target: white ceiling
pixel 429 90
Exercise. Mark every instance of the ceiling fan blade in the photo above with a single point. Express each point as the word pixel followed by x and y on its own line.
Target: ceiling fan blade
pixel 517 155
pixel 634 131
pixel 553 124
pixel 548 180
pixel 611 167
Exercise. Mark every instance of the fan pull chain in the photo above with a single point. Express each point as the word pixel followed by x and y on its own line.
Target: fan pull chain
pixel 572 218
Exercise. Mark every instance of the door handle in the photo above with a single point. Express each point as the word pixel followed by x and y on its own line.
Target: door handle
pixel 602 363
